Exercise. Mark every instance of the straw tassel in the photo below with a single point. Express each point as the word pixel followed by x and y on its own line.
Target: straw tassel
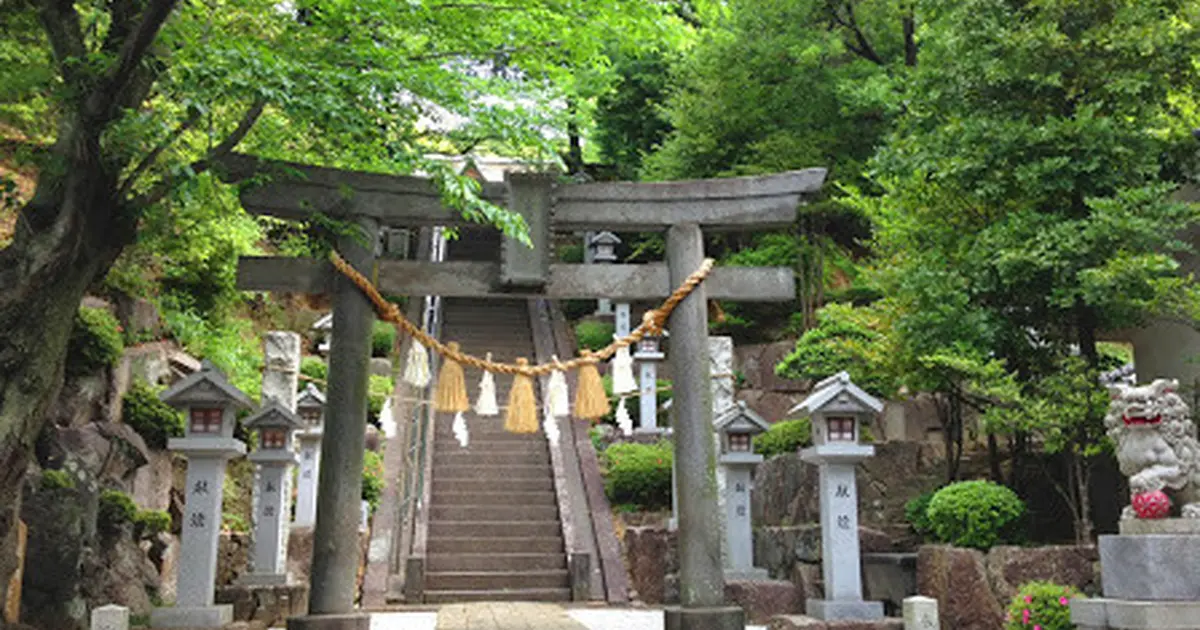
pixel 622 372
pixel 486 405
pixel 451 395
pixel 558 399
pixel 521 416
pixel 624 421
pixel 591 403
pixel 416 367
pixel 459 427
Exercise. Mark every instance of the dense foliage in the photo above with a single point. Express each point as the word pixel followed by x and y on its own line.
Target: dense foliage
pixel 383 339
pixel 115 510
pixel 639 474
pixel 153 419
pixel 978 514
pixel 95 341
pixel 372 479
pixel 591 334
pixel 1042 605
pixel 785 436
pixel 916 512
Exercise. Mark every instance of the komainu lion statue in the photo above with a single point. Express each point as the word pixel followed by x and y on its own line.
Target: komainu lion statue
pixel 1156 449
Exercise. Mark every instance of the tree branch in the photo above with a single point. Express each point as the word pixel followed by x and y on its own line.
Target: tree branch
pixel 150 157
pixel 864 48
pixel 61 23
pixel 133 49
pixel 167 184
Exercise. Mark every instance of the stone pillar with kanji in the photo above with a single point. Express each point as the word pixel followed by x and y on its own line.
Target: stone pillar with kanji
pixel 310 406
pixel 649 354
pixel 838 409
pixel 736 429
pixel 275 457
pixel 210 403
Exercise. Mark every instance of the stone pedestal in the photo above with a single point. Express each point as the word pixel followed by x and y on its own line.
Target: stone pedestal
pixel 739 535
pixel 270 525
pixel 1151 578
pixel 840 559
pixel 309 471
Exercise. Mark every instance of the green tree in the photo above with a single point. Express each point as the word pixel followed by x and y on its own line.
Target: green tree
pixel 128 105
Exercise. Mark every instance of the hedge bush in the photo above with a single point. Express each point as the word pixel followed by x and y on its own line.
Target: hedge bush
pixel 148 523
pixel 1043 605
pixel 916 512
pixel 57 480
pixel 95 341
pixel 315 368
pixel 116 509
pixel 378 389
pixel 372 479
pixel 784 437
pixel 383 339
pixel 153 419
pixel 978 514
pixel 639 474
pixel 593 335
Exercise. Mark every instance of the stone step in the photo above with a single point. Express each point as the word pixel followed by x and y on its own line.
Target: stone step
pixel 505 447
pixel 475 545
pixel 494 529
pixel 438 513
pixel 512 562
pixel 473 457
pixel 505 595
pixel 477 471
pixel 496 498
pixel 495 580
pixel 475 483
pixel 490 436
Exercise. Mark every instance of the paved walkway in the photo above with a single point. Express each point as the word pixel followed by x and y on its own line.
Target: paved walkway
pixel 522 616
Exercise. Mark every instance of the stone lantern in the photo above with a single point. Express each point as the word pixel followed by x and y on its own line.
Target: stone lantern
pixel 602 248
pixel 649 354
pixel 275 456
pixel 310 406
pixel 838 409
pixel 210 404
pixel 736 429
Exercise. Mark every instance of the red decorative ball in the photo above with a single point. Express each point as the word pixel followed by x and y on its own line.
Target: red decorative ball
pixel 1151 504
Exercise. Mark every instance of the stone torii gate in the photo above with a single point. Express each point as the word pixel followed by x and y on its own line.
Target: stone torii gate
pixel 373 201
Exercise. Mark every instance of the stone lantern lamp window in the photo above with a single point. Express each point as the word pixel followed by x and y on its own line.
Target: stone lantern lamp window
pixel 206 420
pixel 311 417
pixel 841 429
pixel 739 442
pixel 274 438
pixel 275 425
pixel 310 406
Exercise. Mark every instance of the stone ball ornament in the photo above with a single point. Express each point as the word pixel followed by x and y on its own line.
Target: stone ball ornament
pixel 1151 505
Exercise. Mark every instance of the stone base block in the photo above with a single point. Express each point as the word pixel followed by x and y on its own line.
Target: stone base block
pixel 1159 567
pixel 763 599
pixel 1111 614
pixel 351 621
pixel 1141 526
pixel 722 618
pixel 191 616
pixel 803 622
pixel 271 605
pixel 262 579
pixel 835 610
pixel 751 574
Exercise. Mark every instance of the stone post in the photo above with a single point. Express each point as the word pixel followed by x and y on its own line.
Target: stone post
pixel 736 428
pixel 306 484
pixel 720 355
pixel 921 613
pixel 110 617
pixel 647 389
pixel 336 537
pixel 701 583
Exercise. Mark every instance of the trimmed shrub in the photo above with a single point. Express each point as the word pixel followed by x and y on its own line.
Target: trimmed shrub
pixel 57 480
pixel 149 523
pixel 1042 605
pixel 378 389
pixel 383 339
pixel 978 514
pixel 116 509
pixel 153 419
pixel 313 367
pixel 95 341
pixel 372 479
pixel 916 512
pixel 784 437
pixel 593 335
pixel 639 474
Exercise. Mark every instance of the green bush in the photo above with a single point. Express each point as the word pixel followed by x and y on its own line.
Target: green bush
pixel 1043 605
pixel 978 514
pixel 116 509
pixel 153 419
pixel 378 389
pixel 383 339
pixel 57 480
pixel 315 368
pixel 916 512
pixel 784 437
pixel 372 479
pixel 639 474
pixel 593 335
pixel 95 341
pixel 148 523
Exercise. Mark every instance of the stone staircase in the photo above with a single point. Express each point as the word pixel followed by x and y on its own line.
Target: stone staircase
pixel 494 530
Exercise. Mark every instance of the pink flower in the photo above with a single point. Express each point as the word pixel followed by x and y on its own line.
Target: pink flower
pixel 1029 599
pixel 1036 627
pixel 1025 616
pixel 1063 601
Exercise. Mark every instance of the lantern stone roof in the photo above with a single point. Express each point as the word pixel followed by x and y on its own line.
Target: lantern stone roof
pixel 837 388
pixel 207 385
pixel 606 238
pixel 310 397
pixel 273 415
pixel 325 323
pixel 741 416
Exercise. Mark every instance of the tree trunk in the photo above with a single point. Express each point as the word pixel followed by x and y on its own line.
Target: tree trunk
pixel 1083 481
pixel 993 446
pixel 66 236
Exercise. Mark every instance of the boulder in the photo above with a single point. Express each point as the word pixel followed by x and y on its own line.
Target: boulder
pixel 650 556
pixel 81 400
pixel 1010 567
pixel 757 362
pixel 58 521
pixel 233 556
pixel 764 599
pixel 300 548
pixel 268 605
pixel 809 581
pixel 139 317
pixel 958 579
pixel 773 406
pixel 119 572
pixel 777 549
